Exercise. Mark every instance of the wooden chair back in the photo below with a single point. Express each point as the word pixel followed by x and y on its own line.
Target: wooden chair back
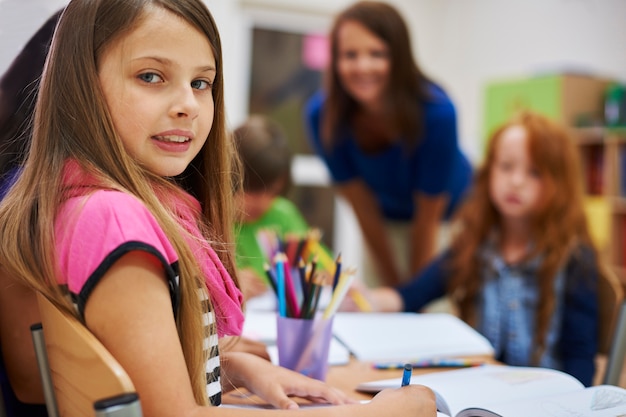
pixel 82 370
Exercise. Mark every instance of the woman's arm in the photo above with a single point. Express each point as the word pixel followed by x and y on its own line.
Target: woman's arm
pixel 424 229
pixel 411 296
pixel 130 312
pixel 430 284
pixel 370 218
pixel 18 311
pixel 439 168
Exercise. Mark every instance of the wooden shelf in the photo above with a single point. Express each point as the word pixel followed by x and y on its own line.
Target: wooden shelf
pixel 589 135
pixel 618 204
pixel 603 157
pixel 598 134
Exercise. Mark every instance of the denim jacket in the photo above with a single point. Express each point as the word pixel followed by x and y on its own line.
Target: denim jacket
pixel 506 310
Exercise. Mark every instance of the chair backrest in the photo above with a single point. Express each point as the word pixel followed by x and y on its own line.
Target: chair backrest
pixel 610 298
pixel 82 370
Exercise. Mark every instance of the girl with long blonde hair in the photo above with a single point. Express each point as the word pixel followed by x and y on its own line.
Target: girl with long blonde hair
pixel 122 212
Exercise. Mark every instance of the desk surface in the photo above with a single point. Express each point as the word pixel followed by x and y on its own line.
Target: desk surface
pixel 347 377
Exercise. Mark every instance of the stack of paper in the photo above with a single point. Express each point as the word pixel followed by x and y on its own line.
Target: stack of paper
pixel 408 336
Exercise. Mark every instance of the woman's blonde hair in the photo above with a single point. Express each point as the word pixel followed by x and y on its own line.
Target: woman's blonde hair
pixel 558 227
pixel 72 121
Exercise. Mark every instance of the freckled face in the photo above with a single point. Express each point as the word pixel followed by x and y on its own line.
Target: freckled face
pixel 157 84
pixel 363 64
pixel 516 186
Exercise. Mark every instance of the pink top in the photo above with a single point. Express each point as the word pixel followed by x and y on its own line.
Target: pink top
pixel 95 228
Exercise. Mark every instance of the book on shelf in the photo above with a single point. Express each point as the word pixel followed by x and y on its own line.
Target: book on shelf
pixel 509 391
pixel 622 170
pixel 622 239
pixel 593 159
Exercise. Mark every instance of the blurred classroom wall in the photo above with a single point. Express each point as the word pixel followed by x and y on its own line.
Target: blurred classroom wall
pixel 462 44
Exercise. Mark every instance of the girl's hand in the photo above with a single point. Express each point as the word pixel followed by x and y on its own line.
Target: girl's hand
pixel 360 298
pixel 275 384
pixel 412 400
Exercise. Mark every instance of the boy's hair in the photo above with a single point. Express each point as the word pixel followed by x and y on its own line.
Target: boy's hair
pixel 72 121
pixel 407 83
pixel 265 155
pixel 557 229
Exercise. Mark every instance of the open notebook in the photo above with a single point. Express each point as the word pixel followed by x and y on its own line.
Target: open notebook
pixel 508 391
pixel 408 336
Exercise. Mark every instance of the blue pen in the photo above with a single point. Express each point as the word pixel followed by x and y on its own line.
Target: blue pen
pixel 406 375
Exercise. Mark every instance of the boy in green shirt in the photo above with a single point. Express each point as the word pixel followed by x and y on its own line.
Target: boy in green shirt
pixel 266 160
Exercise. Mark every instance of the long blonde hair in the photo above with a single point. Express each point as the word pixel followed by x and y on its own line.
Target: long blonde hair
pixel 72 121
pixel 557 229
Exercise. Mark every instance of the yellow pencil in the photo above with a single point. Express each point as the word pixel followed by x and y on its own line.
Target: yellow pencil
pixel 345 281
pixel 360 301
pixel 314 236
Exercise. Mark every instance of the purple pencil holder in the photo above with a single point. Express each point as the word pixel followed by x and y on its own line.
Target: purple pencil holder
pixel 303 345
